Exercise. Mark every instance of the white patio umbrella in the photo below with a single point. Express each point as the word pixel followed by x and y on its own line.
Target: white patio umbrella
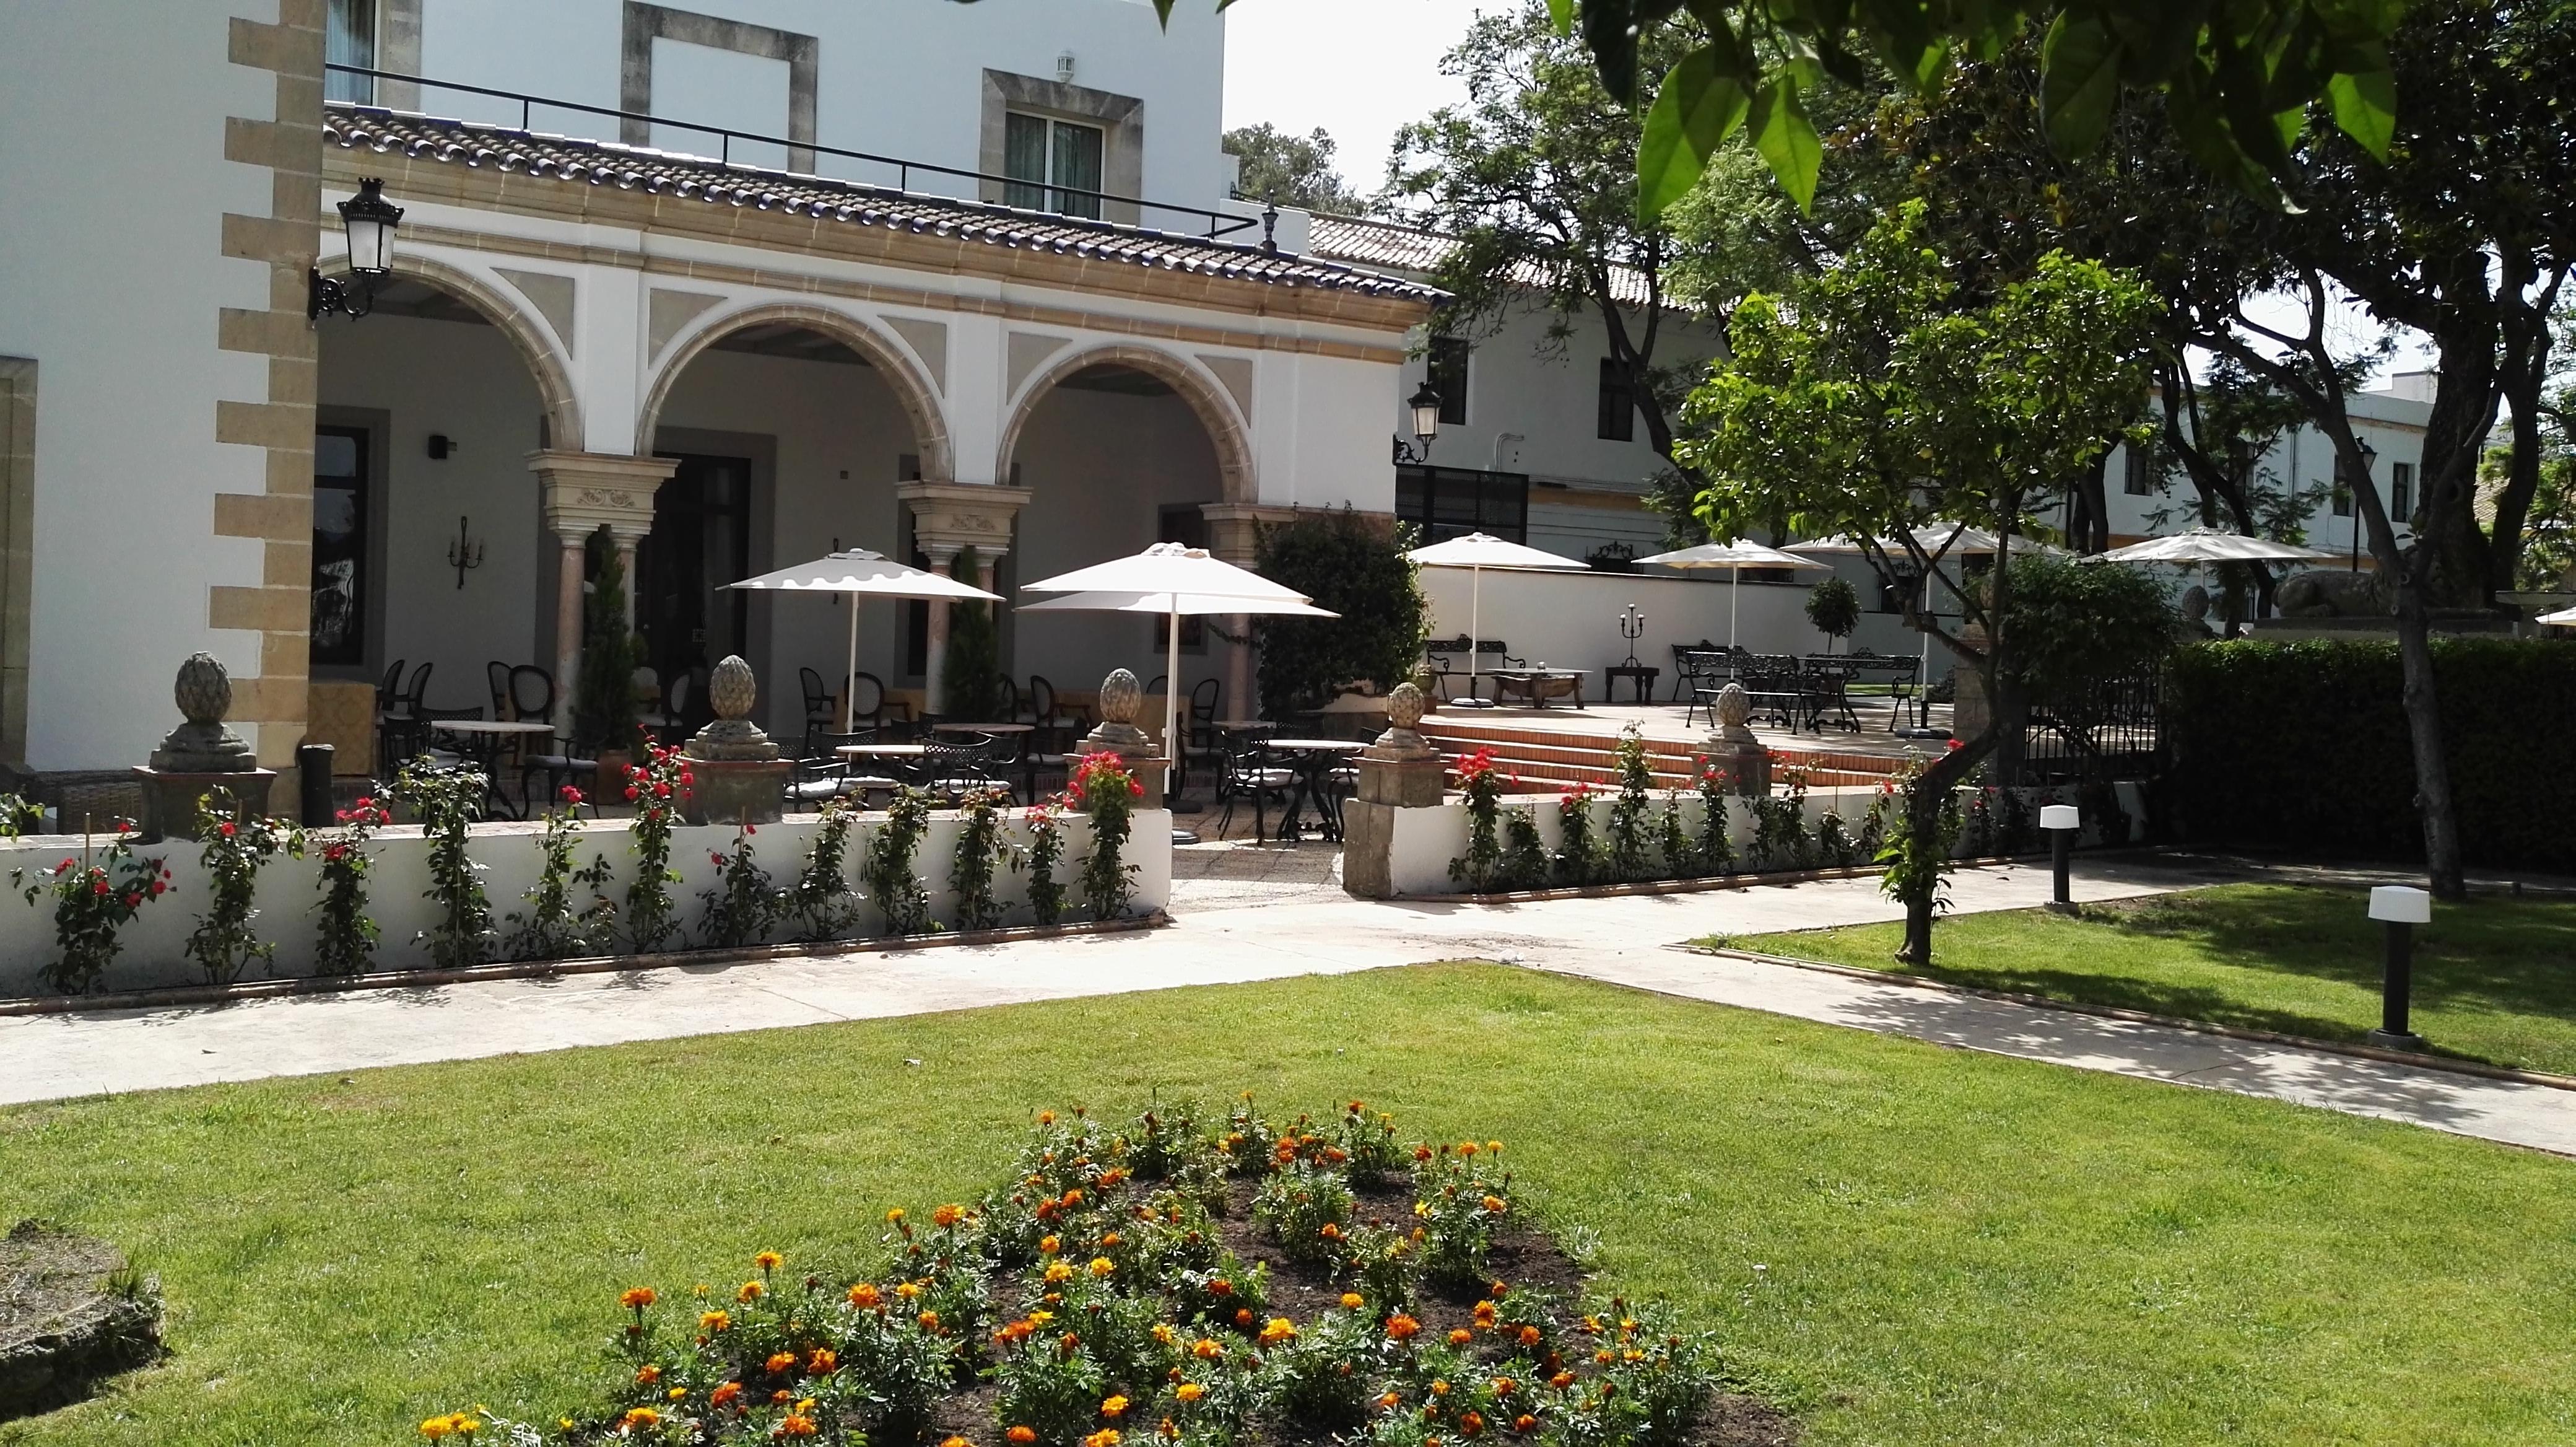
pixel 1734 557
pixel 2210 545
pixel 1939 540
pixel 1186 581
pixel 859 572
pixel 1476 552
pixel 2564 618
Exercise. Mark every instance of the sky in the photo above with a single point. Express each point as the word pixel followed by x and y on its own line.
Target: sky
pixel 1357 68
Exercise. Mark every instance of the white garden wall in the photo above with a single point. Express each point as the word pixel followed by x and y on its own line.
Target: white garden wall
pixel 153 954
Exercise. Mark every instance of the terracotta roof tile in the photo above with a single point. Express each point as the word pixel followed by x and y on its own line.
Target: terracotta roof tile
pixel 696 178
pixel 1405 248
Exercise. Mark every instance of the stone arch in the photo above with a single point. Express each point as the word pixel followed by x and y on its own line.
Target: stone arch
pixel 1205 395
pixel 912 390
pixel 534 339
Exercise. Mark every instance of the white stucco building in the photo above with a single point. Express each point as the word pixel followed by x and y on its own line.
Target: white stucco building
pixel 1045 336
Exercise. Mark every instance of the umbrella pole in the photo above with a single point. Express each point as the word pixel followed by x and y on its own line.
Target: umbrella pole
pixel 850 675
pixel 1172 694
pixel 1734 581
pixel 1475 625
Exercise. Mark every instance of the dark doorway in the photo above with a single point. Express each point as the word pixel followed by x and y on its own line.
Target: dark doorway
pixel 701 541
pixel 339 626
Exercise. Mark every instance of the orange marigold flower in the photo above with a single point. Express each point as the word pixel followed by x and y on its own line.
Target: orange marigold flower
pixel 1505 1386
pixel 1021 1436
pixel 1439 1387
pixel 1072 1197
pixel 864 1294
pixel 647 1374
pixel 1605 1356
pixel 1189 1391
pixel 1485 1311
pixel 947 1216
pixel 1525 1423
pixel 1461 1337
pixel 1330 1232
pixel 1352 1301
pixel 642 1417
pixel 1388 1400
pixel 636 1298
pixel 1220 1287
pixel 751 1291
pixel 1105 1437
pixel 713 1322
pixel 782 1396
pixel 1422 1153
pixel 1113 1407
pixel 1471 1422
pixel 1113 1238
pixel 1277 1330
pixel 1529 1336
pixel 768 1260
pixel 823 1362
pixel 781 1363
pixel 1561 1380
pixel 794 1424
pixel 1243 1316
pixel 1049 1245
pixel 1494 1204
pixel 1045 1117
pixel 1466 1148
pixel 1400 1327
pixel 724 1396
pixel 929 1320
pixel 1206 1349
pixel 955 1442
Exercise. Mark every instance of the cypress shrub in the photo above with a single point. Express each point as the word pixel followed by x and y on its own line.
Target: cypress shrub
pixel 2304 746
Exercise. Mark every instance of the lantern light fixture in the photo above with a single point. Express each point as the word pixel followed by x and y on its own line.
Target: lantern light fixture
pixel 368 222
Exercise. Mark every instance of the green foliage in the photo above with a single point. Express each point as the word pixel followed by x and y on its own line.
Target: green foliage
pixel 1578 855
pixel 821 901
pixel 445 801
pixel 2303 745
pixel 1716 848
pixel 1631 811
pixel 19 816
pixel 1046 851
pixel 1290 170
pixel 345 941
pixel 1460 1197
pixel 95 896
pixel 1351 566
pixel 2075 624
pixel 1916 843
pixel 899 894
pixel 1481 867
pixel 970 681
pixel 1673 841
pixel 224 943
pixel 568 915
pixel 1525 860
pixel 656 788
pixel 1833 606
pixel 980 848
pixel 1305 1212
pixel 603 707
pixel 743 905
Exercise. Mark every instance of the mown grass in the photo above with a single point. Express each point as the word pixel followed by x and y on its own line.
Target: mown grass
pixel 1901 1243
pixel 2495 978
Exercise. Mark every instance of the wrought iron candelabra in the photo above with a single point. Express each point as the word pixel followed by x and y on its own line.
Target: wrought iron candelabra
pixel 1632 626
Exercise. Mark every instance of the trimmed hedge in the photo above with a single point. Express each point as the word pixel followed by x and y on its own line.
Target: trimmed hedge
pixel 2304 745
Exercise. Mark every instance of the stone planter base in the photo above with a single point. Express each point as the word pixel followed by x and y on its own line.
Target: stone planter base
pixel 170 799
pixel 737 791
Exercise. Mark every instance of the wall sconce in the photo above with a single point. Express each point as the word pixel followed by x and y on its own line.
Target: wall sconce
pixel 440 446
pixel 367 222
pixel 464 553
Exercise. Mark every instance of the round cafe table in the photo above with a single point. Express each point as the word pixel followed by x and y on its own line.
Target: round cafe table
pixel 1314 760
pixel 483 739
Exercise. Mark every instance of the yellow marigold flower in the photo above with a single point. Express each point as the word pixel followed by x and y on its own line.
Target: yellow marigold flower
pixel 1102 1266
pixel 434 1428
pixel 1040 1318
pixel 1352 1301
pixel 1113 1408
pixel 1206 1349
pixel 768 1260
pixel 1439 1388
pixel 1163 1333
pixel 1105 1437
pixel 678 1394
pixel 1049 1245
pixel 948 1216
pixel 713 1321
pixel 1189 1391
pixel 1057 1271
pixel 636 1298
pixel 895 1216
pixel 751 1291
pixel 1046 1117
pixel 1494 1204
pixel 1277 1330
pixel 908 1290
pixel 642 1417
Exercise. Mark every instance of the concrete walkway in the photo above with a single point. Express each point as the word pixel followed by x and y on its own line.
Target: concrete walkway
pixel 1289 922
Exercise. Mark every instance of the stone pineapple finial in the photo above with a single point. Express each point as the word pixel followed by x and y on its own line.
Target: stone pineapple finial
pixel 204 744
pixel 1120 697
pixel 732 689
pixel 1402 740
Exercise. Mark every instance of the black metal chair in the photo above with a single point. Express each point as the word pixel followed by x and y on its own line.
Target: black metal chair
pixel 951 767
pixel 438 755
pixel 818 706
pixel 1255 771
pixel 496 677
pixel 824 774
pixel 532 699
pixel 403 721
pixel 867 702
pixel 1198 730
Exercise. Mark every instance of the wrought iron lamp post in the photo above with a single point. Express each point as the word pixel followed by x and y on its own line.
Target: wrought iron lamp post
pixel 368 222
pixel 1426 425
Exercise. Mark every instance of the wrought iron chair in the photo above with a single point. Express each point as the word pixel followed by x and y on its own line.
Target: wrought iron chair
pixel 818 705
pixel 1258 772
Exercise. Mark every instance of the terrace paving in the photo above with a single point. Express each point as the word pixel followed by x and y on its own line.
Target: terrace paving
pixel 1254 912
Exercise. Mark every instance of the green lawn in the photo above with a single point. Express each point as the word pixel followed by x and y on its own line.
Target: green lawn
pixel 1903 1244
pixel 2495 979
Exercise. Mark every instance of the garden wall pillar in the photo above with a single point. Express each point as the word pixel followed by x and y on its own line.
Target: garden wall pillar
pixel 1400 771
pixel 579 493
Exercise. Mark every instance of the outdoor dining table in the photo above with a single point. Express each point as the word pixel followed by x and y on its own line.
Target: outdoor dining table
pixel 1313 759
pixel 1536 682
pixel 484 739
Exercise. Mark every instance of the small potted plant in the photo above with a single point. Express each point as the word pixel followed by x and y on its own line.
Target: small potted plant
pixel 1834 607
pixel 604 704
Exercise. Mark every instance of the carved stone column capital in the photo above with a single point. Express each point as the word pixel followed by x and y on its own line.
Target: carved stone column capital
pixel 582 492
pixel 948 517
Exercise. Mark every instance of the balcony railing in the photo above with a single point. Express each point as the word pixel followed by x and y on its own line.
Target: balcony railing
pixel 1217 224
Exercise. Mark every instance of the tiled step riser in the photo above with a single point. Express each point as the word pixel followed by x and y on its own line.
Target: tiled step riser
pixel 1589 749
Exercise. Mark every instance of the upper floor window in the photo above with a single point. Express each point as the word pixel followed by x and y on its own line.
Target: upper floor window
pixel 1618 420
pixel 1448 377
pixel 349 38
pixel 2136 477
pixel 2401 492
pixel 1053 165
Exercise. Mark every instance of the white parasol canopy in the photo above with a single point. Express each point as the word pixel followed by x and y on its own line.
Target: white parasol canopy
pixel 1938 540
pixel 859 572
pixel 2564 618
pixel 1735 557
pixel 2211 545
pixel 1476 552
pixel 1172 574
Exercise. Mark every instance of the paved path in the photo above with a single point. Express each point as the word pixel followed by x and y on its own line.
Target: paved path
pixel 1287 924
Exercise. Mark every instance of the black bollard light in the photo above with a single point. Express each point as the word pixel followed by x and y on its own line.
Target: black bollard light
pixel 2063 822
pixel 2398 908
pixel 313 775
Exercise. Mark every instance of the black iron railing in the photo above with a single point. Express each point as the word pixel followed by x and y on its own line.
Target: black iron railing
pixel 2104 730
pixel 1218 223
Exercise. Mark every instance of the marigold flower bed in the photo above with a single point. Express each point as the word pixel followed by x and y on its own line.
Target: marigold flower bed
pixel 1169 1281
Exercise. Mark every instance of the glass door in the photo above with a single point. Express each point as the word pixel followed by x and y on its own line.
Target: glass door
pixel 700 543
pixel 338 634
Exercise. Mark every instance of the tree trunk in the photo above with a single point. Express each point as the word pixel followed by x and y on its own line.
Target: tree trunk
pixel 2433 799
pixel 1923 804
